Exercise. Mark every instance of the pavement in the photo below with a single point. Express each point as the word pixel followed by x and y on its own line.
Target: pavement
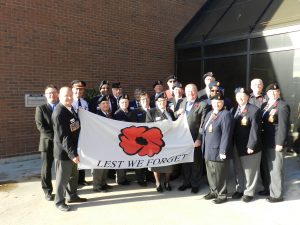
pixel 22 202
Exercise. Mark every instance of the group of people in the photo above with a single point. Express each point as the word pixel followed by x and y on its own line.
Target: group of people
pixel 253 133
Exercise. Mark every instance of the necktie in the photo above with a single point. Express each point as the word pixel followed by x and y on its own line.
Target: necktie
pixel 188 108
pixel 74 113
pixel 79 103
pixel 52 107
pixel 238 112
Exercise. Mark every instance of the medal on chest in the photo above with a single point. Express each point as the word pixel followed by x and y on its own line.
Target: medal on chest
pixel 244 121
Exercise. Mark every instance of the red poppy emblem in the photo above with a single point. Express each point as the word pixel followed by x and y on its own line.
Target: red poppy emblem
pixel 141 140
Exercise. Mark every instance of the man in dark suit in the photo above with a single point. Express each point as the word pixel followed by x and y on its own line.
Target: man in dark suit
pixel 275 118
pixel 44 125
pixel 247 145
pixel 195 110
pixel 174 103
pixel 66 128
pixel 115 97
pixel 103 90
pixel 158 88
pixel 161 112
pixel 134 104
pixel 217 147
pixel 203 94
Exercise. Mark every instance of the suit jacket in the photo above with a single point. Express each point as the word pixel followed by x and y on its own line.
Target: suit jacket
pixel 217 136
pixel 176 104
pixel 93 104
pixel 258 101
pixel 155 114
pixel 138 115
pixel 275 124
pixel 121 115
pixel 44 125
pixel 202 95
pixel 152 101
pixel 114 104
pixel 196 116
pixel 133 105
pixel 247 129
pixel 66 128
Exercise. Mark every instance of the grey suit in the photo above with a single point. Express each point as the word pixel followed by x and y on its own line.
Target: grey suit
pixel 192 172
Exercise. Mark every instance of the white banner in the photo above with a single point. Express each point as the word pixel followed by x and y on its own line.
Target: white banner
pixel 111 144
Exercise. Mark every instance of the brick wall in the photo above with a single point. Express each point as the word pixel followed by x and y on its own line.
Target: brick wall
pixel 55 41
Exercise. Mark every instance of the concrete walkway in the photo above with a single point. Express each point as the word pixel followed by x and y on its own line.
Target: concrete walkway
pixel 22 203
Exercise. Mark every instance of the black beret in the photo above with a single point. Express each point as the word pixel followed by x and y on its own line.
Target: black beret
pixel 158 82
pixel 273 86
pixel 124 96
pixel 78 84
pixel 177 85
pixel 210 74
pixel 103 83
pixel 103 98
pixel 171 77
pixel 161 95
pixel 116 85
pixel 242 90
pixel 214 84
pixel 218 96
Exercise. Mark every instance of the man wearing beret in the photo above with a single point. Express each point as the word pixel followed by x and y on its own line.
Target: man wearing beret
pixel 203 94
pixel 66 128
pixel 122 114
pixel 217 147
pixel 115 97
pixel 78 87
pixel 247 145
pixel 44 125
pixel 158 88
pixel 100 175
pixel 171 81
pixel 195 110
pixel 275 124
pixel 174 103
pixel 103 90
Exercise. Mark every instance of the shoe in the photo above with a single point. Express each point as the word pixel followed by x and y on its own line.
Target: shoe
pixel 237 195
pixel 264 193
pixel 63 207
pixel 247 198
pixel 273 200
pixel 78 199
pixel 142 183
pixel 49 197
pixel 106 186
pixel 84 183
pixel 168 186
pixel 219 200
pixel 210 196
pixel 195 190
pixel 125 183
pixel 159 189
pixel 184 187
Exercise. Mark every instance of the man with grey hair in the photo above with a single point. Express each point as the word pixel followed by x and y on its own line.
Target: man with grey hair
pixel 195 111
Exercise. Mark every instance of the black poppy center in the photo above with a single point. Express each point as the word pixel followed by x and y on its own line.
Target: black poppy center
pixel 141 141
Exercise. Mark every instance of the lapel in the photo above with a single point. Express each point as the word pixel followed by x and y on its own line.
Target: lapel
pixel 193 107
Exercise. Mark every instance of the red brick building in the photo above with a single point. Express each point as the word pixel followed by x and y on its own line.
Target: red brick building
pixel 55 42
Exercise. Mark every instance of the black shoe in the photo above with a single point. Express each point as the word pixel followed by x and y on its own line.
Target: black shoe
pixel 264 193
pixel 168 186
pixel 195 190
pixel 247 198
pixel 273 200
pixel 49 197
pixel 78 199
pixel 84 183
pixel 237 195
pixel 184 187
pixel 142 183
pixel 210 196
pixel 63 207
pixel 125 183
pixel 219 200
pixel 159 189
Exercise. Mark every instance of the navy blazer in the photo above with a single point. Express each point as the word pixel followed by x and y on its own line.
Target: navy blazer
pixel 217 136
pixel 65 140
pixel 275 127
pixel 138 115
pixel 247 129
pixel 121 115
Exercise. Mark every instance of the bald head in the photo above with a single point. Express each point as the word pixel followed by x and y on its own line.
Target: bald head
pixel 191 92
pixel 257 86
pixel 66 96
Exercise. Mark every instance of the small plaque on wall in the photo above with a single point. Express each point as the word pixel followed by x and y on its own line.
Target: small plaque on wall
pixel 33 100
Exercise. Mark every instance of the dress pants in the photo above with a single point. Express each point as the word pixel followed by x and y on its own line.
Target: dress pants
pixel 246 170
pixel 121 176
pixel 46 175
pixel 99 177
pixel 66 181
pixel 216 176
pixel 192 172
pixel 275 164
pixel 264 170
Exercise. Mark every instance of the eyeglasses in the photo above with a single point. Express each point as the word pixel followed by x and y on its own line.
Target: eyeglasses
pixel 214 91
